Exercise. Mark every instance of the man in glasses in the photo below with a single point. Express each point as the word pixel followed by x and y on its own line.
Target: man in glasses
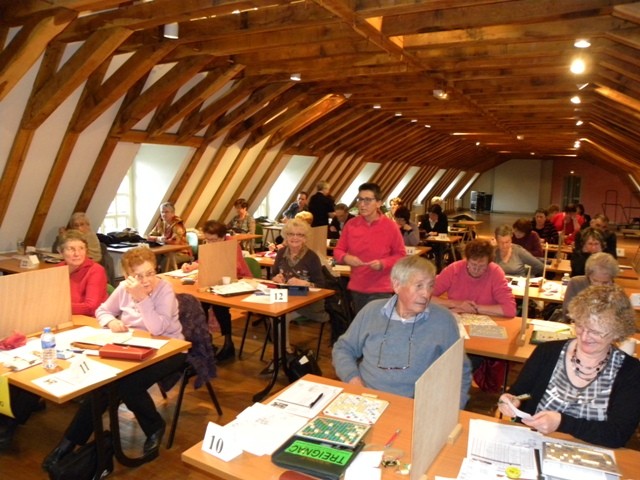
pixel 371 244
pixel 391 342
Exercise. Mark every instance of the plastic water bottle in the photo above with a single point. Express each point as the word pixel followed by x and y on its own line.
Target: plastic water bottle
pixel 48 342
pixel 565 279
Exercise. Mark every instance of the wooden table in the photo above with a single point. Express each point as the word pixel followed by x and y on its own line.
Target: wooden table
pixel 503 349
pixel 541 294
pixel 168 250
pixel 450 239
pixel 564 266
pixel 275 311
pixel 399 414
pixel 447 463
pixel 470 228
pixel 23 379
pixel 271 231
pixel 11 264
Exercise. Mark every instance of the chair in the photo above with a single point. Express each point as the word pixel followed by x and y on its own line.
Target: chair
pixel 200 361
pixel 256 271
pixel 258 243
pixel 107 263
pixel 193 241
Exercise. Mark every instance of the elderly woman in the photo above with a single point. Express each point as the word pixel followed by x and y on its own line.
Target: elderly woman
pixel 215 231
pixel 79 221
pixel 242 222
pixel 475 284
pixel 169 230
pixel 524 236
pixel 87 279
pixel 295 264
pixel 592 242
pixel 409 230
pixel 391 342
pixel 585 387
pixel 600 269
pixel 513 259
pixel 543 227
pixel 142 301
pixel 394 204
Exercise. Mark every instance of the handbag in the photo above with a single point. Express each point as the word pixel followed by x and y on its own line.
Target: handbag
pixel 300 364
pixel 81 463
pixel 125 352
pixel 489 376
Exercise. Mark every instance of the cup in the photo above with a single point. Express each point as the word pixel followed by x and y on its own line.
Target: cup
pixel 226 280
pixel 20 246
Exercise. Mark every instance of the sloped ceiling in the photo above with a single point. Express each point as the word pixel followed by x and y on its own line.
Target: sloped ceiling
pixel 368 68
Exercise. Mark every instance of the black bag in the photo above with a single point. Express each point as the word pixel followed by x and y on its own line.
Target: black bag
pixel 300 364
pixel 81 463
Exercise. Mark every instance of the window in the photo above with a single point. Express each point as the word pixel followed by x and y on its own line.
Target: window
pixel 119 215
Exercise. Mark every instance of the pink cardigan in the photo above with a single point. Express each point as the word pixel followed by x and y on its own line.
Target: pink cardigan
pixel 88 288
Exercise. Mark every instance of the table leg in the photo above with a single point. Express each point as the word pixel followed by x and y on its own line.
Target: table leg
pixel 279 353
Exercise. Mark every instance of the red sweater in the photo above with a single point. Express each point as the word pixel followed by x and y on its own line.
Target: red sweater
pixel 88 288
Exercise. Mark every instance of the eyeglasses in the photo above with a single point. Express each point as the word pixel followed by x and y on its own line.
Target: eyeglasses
pixel 365 199
pixel 591 333
pixel 476 267
pixel 142 276
pixel 295 234
pixel 384 365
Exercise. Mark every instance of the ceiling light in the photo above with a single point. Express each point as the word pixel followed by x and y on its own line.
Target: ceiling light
pixel 398 114
pixel 427 126
pixel 477 144
pixel 576 144
pixel 415 120
pixel 582 43
pixel 440 94
pixel 575 99
pixel 532 153
pixel 296 77
pixel 582 86
pixel 171 30
pixel 520 137
pixel 579 122
pixel 578 66
pixel 377 106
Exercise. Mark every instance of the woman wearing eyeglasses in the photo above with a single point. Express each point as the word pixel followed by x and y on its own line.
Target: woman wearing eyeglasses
pixel 600 269
pixel 392 342
pixel 586 386
pixel 295 264
pixel 142 301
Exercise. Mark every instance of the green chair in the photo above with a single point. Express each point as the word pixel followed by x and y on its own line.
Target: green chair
pixel 258 243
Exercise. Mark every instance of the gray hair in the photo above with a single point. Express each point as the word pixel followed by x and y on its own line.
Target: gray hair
pixel 602 262
pixel 607 307
pixel 70 236
pixel 168 205
pixel 504 231
pixel 406 267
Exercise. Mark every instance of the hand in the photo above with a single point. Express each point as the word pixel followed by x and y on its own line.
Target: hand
pixel 357 381
pixel 297 281
pixel 375 265
pixel 407 227
pixel 433 234
pixel 352 261
pixel 465 306
pixel 279 278
pixel 117 326
pixel 504 408
pixel 545 422
pixel 189 267
pixel 135 289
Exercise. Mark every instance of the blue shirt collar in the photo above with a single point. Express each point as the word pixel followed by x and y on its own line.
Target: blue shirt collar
pixel 389 312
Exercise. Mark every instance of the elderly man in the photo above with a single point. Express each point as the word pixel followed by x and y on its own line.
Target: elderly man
pixel 371 244
pixel 391 343
pixel 341 217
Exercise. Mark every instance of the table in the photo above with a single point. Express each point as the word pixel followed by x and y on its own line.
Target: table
pixel 448 462
pixel 450 239
pixel 275 311
pixel 540 294
pixel 11 264
pixel 470 228
pixel 503 349
pixel 168 250
pixel 564 266
pixel 249 467
pixel 271 231
pixel 23 379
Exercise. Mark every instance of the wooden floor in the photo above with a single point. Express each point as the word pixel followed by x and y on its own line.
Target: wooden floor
pixel 237 381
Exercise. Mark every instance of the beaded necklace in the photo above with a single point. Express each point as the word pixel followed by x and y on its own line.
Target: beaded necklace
pixel 595 370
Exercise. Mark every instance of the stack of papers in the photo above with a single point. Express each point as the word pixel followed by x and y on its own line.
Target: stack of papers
pixel 304 398
pixel 82 373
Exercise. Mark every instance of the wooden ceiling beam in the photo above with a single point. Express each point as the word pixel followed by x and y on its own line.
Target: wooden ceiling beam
pixel 168 84
pixel 27 46
pixel 85 60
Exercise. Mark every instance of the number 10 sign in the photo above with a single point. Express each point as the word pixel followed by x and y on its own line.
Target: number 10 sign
pixel 219 443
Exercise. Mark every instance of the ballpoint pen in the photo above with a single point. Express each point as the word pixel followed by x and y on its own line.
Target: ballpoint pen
pixel 316 400
pixel 392 439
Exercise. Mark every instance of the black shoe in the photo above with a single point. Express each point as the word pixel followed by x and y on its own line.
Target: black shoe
pixel 7 430
pixel 152 444
pixel 63 449
pixel 227 352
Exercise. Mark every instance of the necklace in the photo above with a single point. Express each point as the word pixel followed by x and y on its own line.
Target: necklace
pixel 585 372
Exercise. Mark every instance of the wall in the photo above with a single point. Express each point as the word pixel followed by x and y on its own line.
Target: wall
pixel 599 186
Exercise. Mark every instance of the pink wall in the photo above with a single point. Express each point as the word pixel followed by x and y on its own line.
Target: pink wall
pixel 595 183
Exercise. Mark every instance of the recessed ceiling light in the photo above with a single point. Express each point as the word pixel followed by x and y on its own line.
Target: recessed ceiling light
pixel 520 137
pixel 578 66
pixel 398 114
pixel 377 106
pixel 172 31
pixel 582 43
pixel 427 126
pixel 296 77
pixel 579 122
pixel 575 99
pixel 414 120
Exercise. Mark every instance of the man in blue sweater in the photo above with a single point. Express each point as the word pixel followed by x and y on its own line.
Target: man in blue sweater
pixel 392 342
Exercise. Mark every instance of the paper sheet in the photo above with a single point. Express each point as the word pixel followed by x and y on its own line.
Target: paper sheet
pixel 82 373
pixel 305 398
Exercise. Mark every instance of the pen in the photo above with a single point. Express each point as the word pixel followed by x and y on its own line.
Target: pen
pixel 316 400
pixel 523 396
pixel 392 439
